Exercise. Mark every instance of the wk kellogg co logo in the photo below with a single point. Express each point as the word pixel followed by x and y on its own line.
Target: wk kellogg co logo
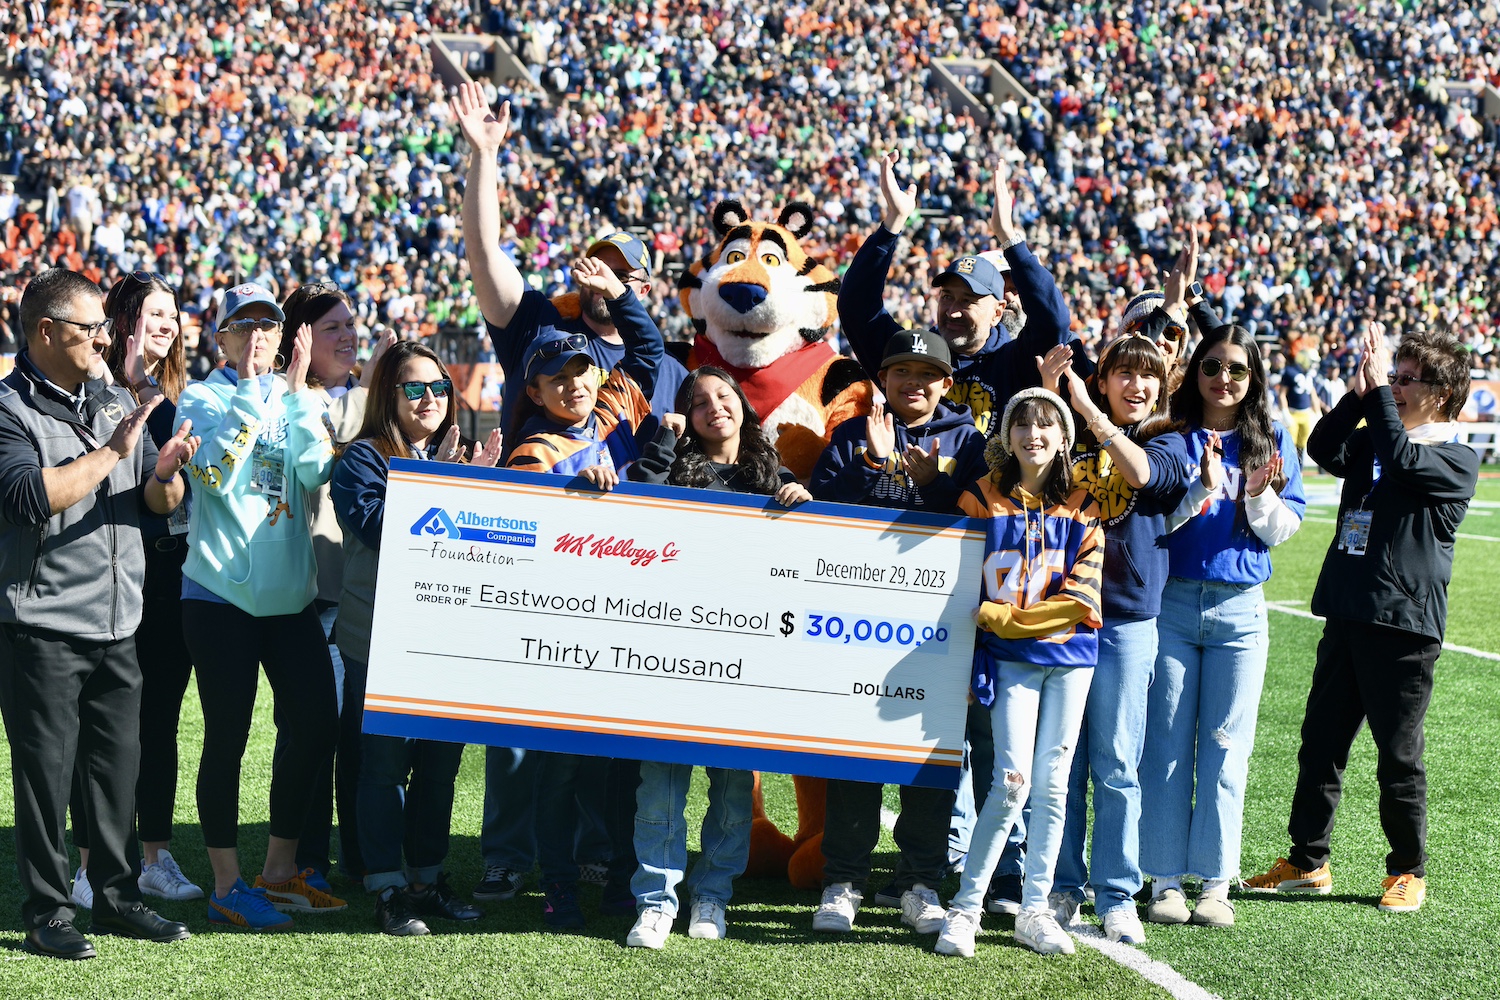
pixel 469 526
pixel 614 548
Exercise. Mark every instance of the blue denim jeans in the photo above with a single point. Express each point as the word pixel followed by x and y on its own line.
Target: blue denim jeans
pixel 974 787
pixel 1200 727
pixel 1109 751
pixel 1035 718
pixel 507 837
pixel 405 802
pixel 661 835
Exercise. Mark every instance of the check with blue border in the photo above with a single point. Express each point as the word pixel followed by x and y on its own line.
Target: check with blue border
pixel 659 623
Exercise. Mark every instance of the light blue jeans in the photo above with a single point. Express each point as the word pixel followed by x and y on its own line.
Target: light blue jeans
pixel 1035 719
pixel 1109 749
pixel 1200 727
pixel 973 787
pixel 661 835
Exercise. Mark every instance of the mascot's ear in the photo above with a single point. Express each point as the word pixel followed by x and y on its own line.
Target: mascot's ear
pixel 797 217
pixel 728 214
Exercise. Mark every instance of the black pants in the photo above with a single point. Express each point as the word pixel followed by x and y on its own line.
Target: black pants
pixel 229 647
pixel 1383 676
pixel 166 668
pixel 69 704
pixel 852 829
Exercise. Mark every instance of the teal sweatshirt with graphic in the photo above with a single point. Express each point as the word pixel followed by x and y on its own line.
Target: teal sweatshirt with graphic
pixel 264 453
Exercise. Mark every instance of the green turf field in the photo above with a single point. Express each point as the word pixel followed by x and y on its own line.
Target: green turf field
pixel 1335 946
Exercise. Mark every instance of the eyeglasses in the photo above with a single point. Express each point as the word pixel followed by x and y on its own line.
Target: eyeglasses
pixel 241 327
pixel 625 276
pixel 556 348
pixel 1212 366
pixel 416 390
pixel 1403 380
pixel 89 329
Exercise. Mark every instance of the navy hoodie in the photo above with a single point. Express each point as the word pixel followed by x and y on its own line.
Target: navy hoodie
pixel 983 381
pixel 1135 521
pixel 844 476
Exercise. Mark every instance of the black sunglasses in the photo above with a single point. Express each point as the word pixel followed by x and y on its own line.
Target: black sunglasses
pixel 319 288
pixel 416 390
pixel 1403 380
pixel 556 348
pixel 1212 366
pixel 146 277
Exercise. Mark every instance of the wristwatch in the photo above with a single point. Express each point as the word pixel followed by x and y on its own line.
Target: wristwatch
pixel 1195 290
pixel 149 382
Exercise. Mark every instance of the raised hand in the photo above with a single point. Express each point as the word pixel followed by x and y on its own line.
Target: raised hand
pixel 896 204
pixel 1256 482
pixel 1211 468
pixel 135 354
pixel 483 130
pixel 128 431
pixel 450 449
pixel 1375 366
pixel 675 422
pixel 594 275
pixel 177 452
pixel 922 466
pixel 1184 272
pixel 602 476
pixel 1054 365
pixel 1002 209
pixel 247 360
pixel 488 456
pixel 880 433
pixel 382 344
pixel 296 370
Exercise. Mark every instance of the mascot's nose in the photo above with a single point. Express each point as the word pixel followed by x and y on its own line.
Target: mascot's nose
pixel 742 296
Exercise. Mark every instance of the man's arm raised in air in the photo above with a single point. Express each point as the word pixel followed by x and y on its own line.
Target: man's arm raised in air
pixel 497 284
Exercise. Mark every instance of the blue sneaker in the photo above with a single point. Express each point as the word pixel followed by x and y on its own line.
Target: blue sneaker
pixel 560 909
pixel 318 881
pixel 247 908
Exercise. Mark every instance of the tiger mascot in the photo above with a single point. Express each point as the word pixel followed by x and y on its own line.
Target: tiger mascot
pixel 762 310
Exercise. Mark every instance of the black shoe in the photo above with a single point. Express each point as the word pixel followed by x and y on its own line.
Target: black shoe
pixel 58 939
pixel 438 900
pixel 140 923
pixel 395 917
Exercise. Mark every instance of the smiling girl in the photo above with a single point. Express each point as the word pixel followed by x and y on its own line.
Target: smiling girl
pixel 1037 645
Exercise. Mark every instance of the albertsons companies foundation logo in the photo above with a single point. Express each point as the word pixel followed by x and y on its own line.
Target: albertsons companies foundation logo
pixel 472 527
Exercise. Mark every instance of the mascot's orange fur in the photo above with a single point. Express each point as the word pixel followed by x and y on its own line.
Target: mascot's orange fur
pixel 763 309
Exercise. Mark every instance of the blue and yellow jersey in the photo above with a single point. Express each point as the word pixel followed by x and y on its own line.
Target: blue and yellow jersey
pixel 607 438
pixel 1037 557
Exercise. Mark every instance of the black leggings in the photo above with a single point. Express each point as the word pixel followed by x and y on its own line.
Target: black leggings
pixel 229 646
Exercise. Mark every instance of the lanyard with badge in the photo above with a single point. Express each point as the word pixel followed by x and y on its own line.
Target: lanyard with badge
pixel 1354 526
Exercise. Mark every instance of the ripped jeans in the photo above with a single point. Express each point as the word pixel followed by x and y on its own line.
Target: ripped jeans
pixel 1036 718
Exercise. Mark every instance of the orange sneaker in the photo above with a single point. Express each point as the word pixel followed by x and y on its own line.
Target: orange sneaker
pixel 1403 894
pixel 296 896
pixel 1287 877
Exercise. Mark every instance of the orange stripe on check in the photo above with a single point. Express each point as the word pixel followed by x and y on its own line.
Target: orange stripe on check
pixel 603 731
pixel 683 505
pixel 753 734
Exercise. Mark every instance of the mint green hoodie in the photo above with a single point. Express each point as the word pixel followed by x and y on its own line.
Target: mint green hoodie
pixel 261 459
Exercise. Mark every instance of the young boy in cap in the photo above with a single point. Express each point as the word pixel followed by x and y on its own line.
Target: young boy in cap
pixel 920 454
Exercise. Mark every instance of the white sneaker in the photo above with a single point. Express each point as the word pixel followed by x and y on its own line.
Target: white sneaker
pixel 166 880
pixel 836 910
pixel 959 930
pixel 1040 931
pixel 1124 926
pixel 707 921
pixel 83 893
pixel 650 930
pixel 921 910
pixel 1064 907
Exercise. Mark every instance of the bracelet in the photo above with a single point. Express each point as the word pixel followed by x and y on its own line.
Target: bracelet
pixel 1014 242
pixel 164 482
pixel 873 463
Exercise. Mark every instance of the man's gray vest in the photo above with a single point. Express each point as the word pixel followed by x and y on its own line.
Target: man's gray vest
pixel 79 573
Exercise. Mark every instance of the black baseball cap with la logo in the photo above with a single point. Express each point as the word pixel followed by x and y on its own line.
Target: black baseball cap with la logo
pixel 918 345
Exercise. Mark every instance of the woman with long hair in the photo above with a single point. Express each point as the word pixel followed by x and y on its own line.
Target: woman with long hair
pixel 1211 662
pixel 405 785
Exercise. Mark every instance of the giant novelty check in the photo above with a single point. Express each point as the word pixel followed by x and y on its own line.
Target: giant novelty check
pixel 687 626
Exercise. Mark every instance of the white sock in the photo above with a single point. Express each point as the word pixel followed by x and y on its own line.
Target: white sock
pixel 1161 885
pixel 1215 887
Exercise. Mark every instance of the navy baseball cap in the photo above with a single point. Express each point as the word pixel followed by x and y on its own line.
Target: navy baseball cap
pixel 548 355
pixel 982 276
pixel 628 245
pixel 244 295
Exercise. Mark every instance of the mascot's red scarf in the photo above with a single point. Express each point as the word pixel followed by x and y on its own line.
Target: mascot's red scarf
pixel 766 388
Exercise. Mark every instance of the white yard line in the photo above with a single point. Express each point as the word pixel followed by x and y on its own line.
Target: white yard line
pixel 1290 608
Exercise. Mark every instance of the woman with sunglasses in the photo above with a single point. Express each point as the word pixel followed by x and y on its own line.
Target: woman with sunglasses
pixel 1211 659
pixel 406 785
pixel 248 588
pixel 328 312
pixel 146 356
